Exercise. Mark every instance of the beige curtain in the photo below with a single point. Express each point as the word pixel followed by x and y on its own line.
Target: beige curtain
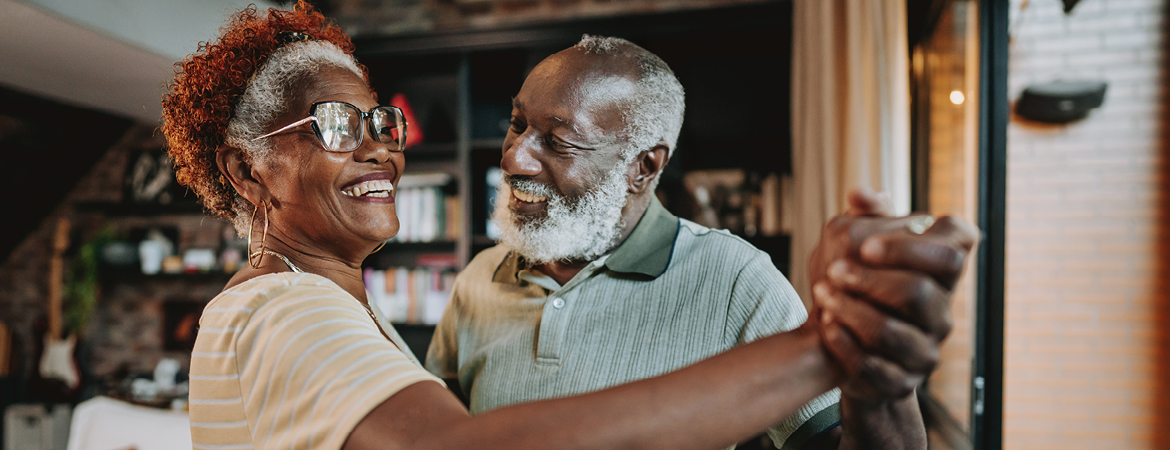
pixel 850 113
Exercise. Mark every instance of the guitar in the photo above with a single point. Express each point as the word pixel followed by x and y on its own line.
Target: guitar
pixel 56 361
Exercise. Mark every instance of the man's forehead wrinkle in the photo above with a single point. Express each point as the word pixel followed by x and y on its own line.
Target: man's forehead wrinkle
pixel 569 124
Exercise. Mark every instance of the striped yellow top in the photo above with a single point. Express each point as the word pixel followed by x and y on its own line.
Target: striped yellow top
pixel 290 361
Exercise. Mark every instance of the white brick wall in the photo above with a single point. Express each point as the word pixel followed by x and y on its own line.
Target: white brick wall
pixel 1088 308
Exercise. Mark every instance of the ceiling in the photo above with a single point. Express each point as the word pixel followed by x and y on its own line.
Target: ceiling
pixel 114 56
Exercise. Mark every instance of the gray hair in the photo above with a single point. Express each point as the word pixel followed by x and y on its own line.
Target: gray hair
pixel 656 111
pixel 268 95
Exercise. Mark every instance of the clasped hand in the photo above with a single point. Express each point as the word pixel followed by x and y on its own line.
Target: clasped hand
pixel 881 294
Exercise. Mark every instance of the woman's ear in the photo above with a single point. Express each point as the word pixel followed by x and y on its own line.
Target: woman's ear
pixel 647 166
pixel 237 167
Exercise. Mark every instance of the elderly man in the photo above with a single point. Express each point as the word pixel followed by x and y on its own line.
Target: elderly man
pixel 595 284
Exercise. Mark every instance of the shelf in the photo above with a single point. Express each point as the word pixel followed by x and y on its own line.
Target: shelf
pixel 480 243
pixel 134 276
pixel 417 337
pixel 433 150
pixel 426 247
pixel 777 246
pixel 406 254
pixel 487 144
pixel 413 326
pixel 143 210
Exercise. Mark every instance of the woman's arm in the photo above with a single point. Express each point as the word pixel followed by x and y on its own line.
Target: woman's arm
pixel 725 398
pixel 711 404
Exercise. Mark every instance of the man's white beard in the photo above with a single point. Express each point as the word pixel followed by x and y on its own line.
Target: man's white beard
pixel 581 231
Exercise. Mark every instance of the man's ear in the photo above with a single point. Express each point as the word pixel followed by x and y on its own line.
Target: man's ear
pixel 237 167
pixel 648 166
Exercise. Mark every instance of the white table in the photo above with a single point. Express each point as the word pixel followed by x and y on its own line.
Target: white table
pixel 102 423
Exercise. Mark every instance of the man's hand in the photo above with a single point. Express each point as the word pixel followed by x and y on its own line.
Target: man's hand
pixel 884 305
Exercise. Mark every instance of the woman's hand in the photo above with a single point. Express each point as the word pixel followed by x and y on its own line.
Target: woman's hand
pixel 881 291
pixel 885 310
pixel 867 214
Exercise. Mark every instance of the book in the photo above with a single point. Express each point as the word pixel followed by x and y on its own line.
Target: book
pixel 411 295
pixel 493 178
pixel 426 212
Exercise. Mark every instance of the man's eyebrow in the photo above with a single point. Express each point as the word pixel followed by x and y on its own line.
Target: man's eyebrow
pixel 517 104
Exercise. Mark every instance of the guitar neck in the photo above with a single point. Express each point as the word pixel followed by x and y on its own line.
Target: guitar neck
pixel 56 277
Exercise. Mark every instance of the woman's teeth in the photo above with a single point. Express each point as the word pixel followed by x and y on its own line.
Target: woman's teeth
pixel 526 197
pixel 373 188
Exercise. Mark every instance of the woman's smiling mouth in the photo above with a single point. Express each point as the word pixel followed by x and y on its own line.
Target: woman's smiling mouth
pixel 372 188
pixel 377 187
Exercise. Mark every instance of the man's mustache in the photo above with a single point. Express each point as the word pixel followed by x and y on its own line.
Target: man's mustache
pixel 530 186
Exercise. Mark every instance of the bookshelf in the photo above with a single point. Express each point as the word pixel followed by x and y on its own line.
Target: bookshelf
pixel 733 61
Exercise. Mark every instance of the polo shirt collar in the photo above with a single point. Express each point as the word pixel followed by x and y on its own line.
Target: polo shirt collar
pixel 509 268
pixel 647 250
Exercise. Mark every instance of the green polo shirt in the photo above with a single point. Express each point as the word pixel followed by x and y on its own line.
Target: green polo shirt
pixel 672 294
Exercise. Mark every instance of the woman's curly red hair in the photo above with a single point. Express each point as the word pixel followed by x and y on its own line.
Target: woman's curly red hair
pixel 208 85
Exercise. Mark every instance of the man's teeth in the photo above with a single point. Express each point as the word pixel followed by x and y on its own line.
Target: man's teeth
pixel 526 197
pixel 373 188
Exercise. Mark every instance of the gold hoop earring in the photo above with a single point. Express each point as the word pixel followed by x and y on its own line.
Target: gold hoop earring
pixel 379 247
pixel 256 258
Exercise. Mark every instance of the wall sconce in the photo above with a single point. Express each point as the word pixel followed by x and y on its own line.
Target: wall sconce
pixel 1060 101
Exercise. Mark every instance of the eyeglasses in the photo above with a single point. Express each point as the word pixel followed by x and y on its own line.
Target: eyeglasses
pixel 338 126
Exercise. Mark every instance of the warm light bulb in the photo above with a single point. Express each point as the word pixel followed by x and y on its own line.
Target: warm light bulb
pixel 957 97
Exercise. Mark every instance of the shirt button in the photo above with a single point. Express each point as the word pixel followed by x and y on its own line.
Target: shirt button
pixel 558 303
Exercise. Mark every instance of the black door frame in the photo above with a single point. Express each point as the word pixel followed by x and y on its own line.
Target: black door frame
pixel 987 379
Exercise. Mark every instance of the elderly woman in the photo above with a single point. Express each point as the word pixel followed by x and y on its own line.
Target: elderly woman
pixel 275 127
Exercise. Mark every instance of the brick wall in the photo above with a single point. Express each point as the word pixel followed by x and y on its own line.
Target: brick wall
pixel 1088 308
pixel 126 332
pixel 24 275
pixel 949 63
